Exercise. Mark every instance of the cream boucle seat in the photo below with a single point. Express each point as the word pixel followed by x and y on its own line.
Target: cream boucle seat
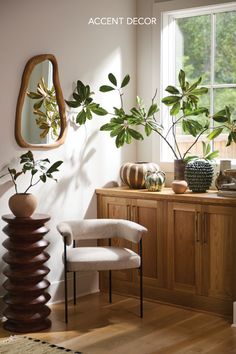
pixel 100 258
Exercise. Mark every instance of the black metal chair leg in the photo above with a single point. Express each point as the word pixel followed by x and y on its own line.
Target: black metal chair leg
pixel 141 279
pixel 110 287
pixel 110 279
pixel 74 279
pixel 65 284
pixel 74 286
pixel 141 293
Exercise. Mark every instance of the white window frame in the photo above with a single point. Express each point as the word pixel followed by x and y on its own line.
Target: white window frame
pixel 164 44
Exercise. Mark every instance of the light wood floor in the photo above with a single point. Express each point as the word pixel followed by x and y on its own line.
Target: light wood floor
pixel 97 327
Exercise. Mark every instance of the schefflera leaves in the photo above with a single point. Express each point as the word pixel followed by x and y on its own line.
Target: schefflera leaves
pixel 124 126
pixel 225 123
pixel 184 109
pixel 183 101
pixel 82 99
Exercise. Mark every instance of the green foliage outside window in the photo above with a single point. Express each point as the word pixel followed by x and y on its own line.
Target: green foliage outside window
pixel 196 33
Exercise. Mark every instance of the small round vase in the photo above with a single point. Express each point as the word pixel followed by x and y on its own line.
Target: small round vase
pixel 22 204
pixel 133 173
pixel 199 175
pixel 179 186
pixel 154 181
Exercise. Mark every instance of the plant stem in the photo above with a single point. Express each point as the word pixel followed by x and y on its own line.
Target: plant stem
pixel 174 123
pixel 195 141
pixel 163 137
pixel 153 98
pixel 31 181
pixel 176 156
pixel 31 185
pixel 174 137
pixel 121 99
pixel 15 186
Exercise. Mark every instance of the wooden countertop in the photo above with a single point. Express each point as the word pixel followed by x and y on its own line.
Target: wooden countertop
pixel 167 194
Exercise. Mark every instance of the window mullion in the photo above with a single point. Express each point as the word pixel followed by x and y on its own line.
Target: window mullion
pixel 212 61
pixel 213 36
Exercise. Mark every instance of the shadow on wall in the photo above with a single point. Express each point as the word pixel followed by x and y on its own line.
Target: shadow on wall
pixel 91 207
pixel 8 184
pixel 5 187
pixel 77 174
pixel 111 184
pixel 93 202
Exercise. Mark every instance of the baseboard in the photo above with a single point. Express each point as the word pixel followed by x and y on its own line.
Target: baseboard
pixel 86 283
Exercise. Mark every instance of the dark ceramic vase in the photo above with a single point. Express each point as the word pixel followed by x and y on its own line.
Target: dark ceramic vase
pixel 179 169
pixel 199 175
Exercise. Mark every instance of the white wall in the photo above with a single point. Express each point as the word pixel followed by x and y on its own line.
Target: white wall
pixel 88 53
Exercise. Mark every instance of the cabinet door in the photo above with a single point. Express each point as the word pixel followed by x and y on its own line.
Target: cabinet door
pixel 115 208
pixel 218 252
pixel 150 213
pixel 184 247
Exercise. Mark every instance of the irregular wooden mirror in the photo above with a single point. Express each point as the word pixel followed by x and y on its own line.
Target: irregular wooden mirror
pixel 40 112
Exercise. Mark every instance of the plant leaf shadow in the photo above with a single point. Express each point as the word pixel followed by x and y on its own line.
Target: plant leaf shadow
pixel 4 187
pixel 78 175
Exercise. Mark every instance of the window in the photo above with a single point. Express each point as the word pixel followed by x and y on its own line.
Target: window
pixel 202 42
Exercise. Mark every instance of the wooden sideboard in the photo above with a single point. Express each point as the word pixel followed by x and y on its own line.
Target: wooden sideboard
pixel 189 253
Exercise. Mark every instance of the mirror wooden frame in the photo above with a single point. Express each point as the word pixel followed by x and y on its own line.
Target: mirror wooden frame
pixel 20 102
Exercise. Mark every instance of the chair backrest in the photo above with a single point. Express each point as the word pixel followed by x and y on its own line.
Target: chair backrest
pixel 100 229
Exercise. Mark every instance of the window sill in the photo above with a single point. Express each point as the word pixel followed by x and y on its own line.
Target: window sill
pixel 169 166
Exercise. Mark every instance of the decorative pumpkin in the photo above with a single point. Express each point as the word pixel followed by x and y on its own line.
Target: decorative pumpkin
pixel 133 174
pixel 154 181
pixel 199 175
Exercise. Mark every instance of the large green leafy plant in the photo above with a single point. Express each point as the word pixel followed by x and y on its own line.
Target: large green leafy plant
pixel 184 111
pixel 40 170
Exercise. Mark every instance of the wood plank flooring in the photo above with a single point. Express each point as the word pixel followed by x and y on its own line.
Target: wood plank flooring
pixel 97 327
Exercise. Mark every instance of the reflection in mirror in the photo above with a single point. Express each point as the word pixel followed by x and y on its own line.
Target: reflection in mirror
pixel 40 115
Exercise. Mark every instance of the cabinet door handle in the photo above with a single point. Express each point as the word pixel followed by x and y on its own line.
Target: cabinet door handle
pixel 129 212
pixel 196 227
pixel 133 213
pixel 205 238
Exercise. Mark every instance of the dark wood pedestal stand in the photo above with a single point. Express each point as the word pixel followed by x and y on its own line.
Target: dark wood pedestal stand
pixel 26 287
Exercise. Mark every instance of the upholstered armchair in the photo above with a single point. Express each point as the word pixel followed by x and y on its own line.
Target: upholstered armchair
pixel 100 258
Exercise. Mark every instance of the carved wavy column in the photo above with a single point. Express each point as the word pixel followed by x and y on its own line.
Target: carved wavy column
pixel 26 287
